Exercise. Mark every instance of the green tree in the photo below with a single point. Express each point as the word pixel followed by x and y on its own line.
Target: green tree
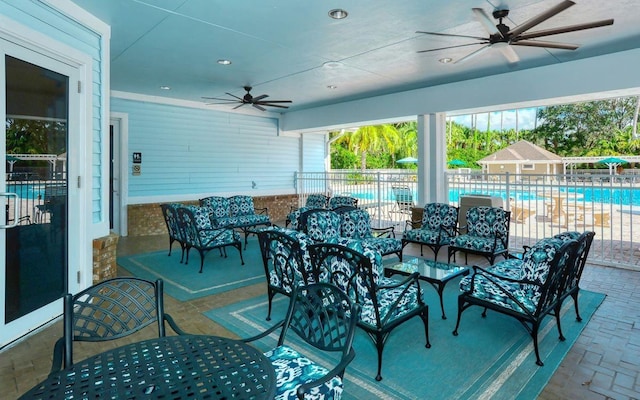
pixel 371 139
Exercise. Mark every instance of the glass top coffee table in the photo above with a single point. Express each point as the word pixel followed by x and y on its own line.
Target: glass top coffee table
pixel 434 272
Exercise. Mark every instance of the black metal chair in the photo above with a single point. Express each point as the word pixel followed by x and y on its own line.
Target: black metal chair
pixel 170 214
pixel 324 317
pixel 109 310
pixel 437 228
pixel 487 234
pixel 198 234
pixel 529 294
pixel 386 303
pixel 286 261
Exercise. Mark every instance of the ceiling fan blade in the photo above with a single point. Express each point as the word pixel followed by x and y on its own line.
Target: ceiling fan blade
pixel 488 23
pixel 538 19
pixel 550 45
pixel 452 47
pixel 233 95
pixel 263 96
pixel 452 35
pixel 259 107
pixel 509 53
pixel 566 29
pixel 472 54
pixel 239 105
pixel 275 101
pixel 220 99
pixel 273 105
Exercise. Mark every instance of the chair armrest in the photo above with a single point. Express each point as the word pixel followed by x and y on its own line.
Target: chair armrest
pixel 263 334
pixel 387 232
pixel 58 355
pixel 338 370
pixel 411 223
pixel 409 279
pixel 263 211
pixel 172 323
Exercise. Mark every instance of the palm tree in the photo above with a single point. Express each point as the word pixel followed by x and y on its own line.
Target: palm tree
pixel 372 139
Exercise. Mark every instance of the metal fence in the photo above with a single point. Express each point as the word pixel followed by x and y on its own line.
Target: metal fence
pixel 541 205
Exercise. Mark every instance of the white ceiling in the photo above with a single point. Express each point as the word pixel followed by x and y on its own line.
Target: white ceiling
pixel 281 47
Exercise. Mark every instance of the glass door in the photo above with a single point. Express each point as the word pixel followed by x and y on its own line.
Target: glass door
pixel 34 225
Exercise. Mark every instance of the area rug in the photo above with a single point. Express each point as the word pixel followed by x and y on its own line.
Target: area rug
pixel 492 358
pixel 184 282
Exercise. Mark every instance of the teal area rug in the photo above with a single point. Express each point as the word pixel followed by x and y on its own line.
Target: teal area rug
pixel 492 358
pixel 184 282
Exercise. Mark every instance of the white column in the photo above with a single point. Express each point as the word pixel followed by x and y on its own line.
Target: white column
pixel 432 158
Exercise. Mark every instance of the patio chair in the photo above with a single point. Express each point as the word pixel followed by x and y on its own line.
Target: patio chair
pixel 170 214
pixel 314 201
pixel 339 201
pixel 403 200
pixel 109 310
pixel 324 317
pixel 286 261
pixel 487 234
pixel 571 283
pixel 437 228
pixel 356 224
pixel 198 234
pixel 386 303
pixel 529 297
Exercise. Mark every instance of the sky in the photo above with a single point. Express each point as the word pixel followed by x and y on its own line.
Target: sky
pixel 526 119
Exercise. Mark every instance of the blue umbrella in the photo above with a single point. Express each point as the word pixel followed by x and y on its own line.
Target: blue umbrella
pixel 457 162
pixel 407 160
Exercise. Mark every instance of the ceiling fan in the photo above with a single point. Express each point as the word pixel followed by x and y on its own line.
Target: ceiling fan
pixel 503 37
pixel 258 101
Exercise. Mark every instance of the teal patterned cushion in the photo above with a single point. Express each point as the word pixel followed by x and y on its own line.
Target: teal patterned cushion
pixel 317 201
pixel 386 301
pixel 385 245
pixel 355 224
pixel 340 201
pixel 486 222
pixel 294 369
pixel 478 243
pixel 277 248
pixel 437 215
pixel 424 235
pixel 218 237
pixel 241 205
pixel 201 215
pixel 323 225
pixel 220 207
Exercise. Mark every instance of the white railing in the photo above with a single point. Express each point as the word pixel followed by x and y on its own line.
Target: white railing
pixel 541 205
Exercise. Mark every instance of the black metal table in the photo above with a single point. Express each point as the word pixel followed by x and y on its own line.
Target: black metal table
pixel 172 367
pixel 436 273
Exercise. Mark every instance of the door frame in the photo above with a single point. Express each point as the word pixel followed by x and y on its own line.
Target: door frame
pixel 21 40
pixel 120 123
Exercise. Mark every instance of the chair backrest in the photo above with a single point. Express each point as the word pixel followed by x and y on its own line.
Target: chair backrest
pixel 338 201
pixel 403 196
pixel 440 215
pixel 111 309
pixel 323 316
pixel 546 263
pixel 192 220
pixel 320 225
pixel 348 265
pixel 241 205
pixel 488 222
pixel 584 245
pixel 220 207
pixel 170 214
pixel 285 257
pixel 317 200
pixel 355 224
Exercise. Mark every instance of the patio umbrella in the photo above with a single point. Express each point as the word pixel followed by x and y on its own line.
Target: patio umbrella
pixel 612 163
pixel 456 163
pixel 407 160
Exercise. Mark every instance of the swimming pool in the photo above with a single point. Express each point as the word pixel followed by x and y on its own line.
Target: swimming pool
pixel 27 190
pixel 619 196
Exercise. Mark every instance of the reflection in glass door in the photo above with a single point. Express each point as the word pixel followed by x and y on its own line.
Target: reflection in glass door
pixel 36 137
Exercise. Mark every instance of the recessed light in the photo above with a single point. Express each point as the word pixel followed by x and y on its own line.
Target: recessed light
pixel 446 60
pixel 332 64
pixel 338 13
pixel 332 87
pixel 165 87
pixel 224 62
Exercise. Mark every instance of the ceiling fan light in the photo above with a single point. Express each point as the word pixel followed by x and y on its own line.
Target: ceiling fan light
pixel 446 60
pixel 338 13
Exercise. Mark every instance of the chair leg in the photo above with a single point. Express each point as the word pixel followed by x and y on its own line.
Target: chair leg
pixel 560 335
pixel 425 320
pixel 379 347
pixel 201 259
pixel 270 294
pixel 239 247
pixel 534 335
pixel 421 255
pixel 575 303
pixel 170 245
pixel 460 310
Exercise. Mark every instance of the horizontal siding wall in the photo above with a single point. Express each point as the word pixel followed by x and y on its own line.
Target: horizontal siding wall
pixel 188 153
pixel 313 152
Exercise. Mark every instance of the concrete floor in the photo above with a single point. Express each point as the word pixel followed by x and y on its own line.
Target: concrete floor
pixel 603 364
